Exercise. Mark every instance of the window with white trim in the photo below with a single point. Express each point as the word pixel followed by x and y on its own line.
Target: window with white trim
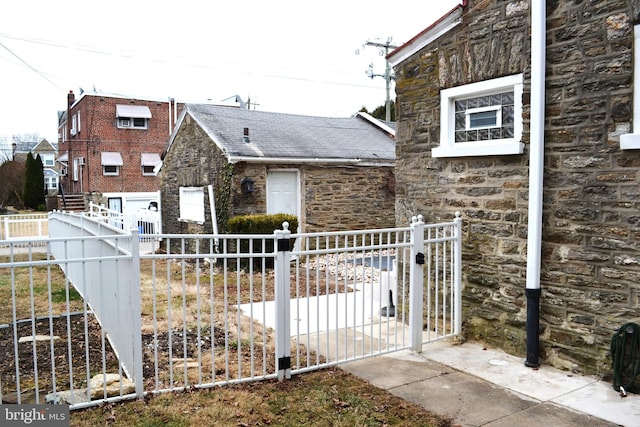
pixel 48 159
pixel 132 116
pixel 110 170
pixel 132 123
pixel 631 140
pixel 481 119
pixel 50 179
pixel 76 166
pixel 192 204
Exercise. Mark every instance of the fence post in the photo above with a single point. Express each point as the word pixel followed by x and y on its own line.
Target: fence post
pixel 457 271
pixel 136 312
pixel 416 284
pixel 283 305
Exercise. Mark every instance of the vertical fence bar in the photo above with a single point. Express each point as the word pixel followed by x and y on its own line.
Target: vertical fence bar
pixel 136 313
pixel 283 307
pixel 457 272
pixel 417 283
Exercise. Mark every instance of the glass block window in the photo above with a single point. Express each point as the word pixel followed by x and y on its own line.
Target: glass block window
pixel 482 118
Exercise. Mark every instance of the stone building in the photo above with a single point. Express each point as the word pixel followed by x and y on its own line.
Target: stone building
pixel 533 141
pixel 332 173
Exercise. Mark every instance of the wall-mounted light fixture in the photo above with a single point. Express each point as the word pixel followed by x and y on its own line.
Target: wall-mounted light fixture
pixel 247 186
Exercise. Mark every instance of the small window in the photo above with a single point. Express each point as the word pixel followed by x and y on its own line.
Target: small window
pixel 481 119
pixel 48 159
pixel 132 116
pixel 132 123
pixel 110 170
pixel 149 162
pixel 192 204
pixel 51 182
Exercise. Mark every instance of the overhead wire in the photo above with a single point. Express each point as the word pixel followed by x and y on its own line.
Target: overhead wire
pixel 30 66
pixel 135 56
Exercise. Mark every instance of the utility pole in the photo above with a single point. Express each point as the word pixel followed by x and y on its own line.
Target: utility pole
pixel 383 49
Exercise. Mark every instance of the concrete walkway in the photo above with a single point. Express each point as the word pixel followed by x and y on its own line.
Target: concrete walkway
pixel 484 387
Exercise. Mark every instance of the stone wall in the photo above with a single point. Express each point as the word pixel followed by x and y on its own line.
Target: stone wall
pixel 193 161
pixel 591 226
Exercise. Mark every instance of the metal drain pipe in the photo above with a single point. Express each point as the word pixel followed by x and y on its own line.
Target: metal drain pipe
pixel 536 172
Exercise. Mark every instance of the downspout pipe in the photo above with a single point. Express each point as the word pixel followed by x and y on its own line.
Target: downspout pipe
pixel 536 172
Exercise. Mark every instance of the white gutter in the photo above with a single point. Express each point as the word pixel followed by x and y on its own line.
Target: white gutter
pixel 536 147
pixel 536 172
pixel 292 160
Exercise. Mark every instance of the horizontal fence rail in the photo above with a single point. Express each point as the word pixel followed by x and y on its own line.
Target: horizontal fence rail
pixel 55 348
pixel 146 221
pixel 207 310
pixel 22 227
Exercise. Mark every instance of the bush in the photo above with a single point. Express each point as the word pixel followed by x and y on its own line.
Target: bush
pixel 259 224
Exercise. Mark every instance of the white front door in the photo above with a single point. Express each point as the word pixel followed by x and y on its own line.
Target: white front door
pixel 115 204
pixel 283 194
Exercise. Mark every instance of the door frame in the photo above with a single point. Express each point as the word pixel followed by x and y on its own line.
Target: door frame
pixel 298 195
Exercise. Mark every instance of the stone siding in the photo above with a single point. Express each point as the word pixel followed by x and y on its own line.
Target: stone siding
pixel 334 197
pixel 591 230
pixel 192 161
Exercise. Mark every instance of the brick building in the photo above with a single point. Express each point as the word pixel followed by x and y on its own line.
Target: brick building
pixel 110 147
pixel 533 141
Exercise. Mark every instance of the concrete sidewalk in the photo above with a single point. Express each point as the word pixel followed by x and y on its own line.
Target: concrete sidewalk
pixel 483 387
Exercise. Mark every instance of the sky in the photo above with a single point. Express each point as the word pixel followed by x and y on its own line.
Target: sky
pixel 287 56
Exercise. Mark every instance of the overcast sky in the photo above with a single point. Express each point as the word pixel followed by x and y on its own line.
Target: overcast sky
pixel 287 56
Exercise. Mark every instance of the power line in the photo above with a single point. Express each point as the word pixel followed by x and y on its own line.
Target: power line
pixel 383 48
pixel 29 65
pixel 177 61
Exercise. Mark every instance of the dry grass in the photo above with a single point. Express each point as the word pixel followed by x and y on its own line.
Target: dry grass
pixel 329 397
pixel 35 281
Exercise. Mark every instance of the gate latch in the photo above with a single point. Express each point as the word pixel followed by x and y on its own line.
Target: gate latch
pixel 420 258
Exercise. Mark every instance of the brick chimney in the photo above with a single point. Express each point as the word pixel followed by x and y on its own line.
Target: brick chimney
pixel 71 98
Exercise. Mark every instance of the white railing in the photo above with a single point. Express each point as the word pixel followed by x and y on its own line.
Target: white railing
pixel 23 225
pixel 209 310
pixel 146 221
pixel 104 266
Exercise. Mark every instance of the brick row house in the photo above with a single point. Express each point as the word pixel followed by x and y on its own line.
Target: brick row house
pixel 110 148
pixel 524 116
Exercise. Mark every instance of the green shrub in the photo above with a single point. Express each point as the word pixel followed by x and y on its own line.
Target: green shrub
pixel 259 224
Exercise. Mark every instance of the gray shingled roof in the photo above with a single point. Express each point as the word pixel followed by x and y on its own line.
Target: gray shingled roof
pixel 277 135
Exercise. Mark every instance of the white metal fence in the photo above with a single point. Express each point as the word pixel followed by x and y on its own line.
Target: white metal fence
pixel 22 226
pixel 208 310
pixel 146 221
